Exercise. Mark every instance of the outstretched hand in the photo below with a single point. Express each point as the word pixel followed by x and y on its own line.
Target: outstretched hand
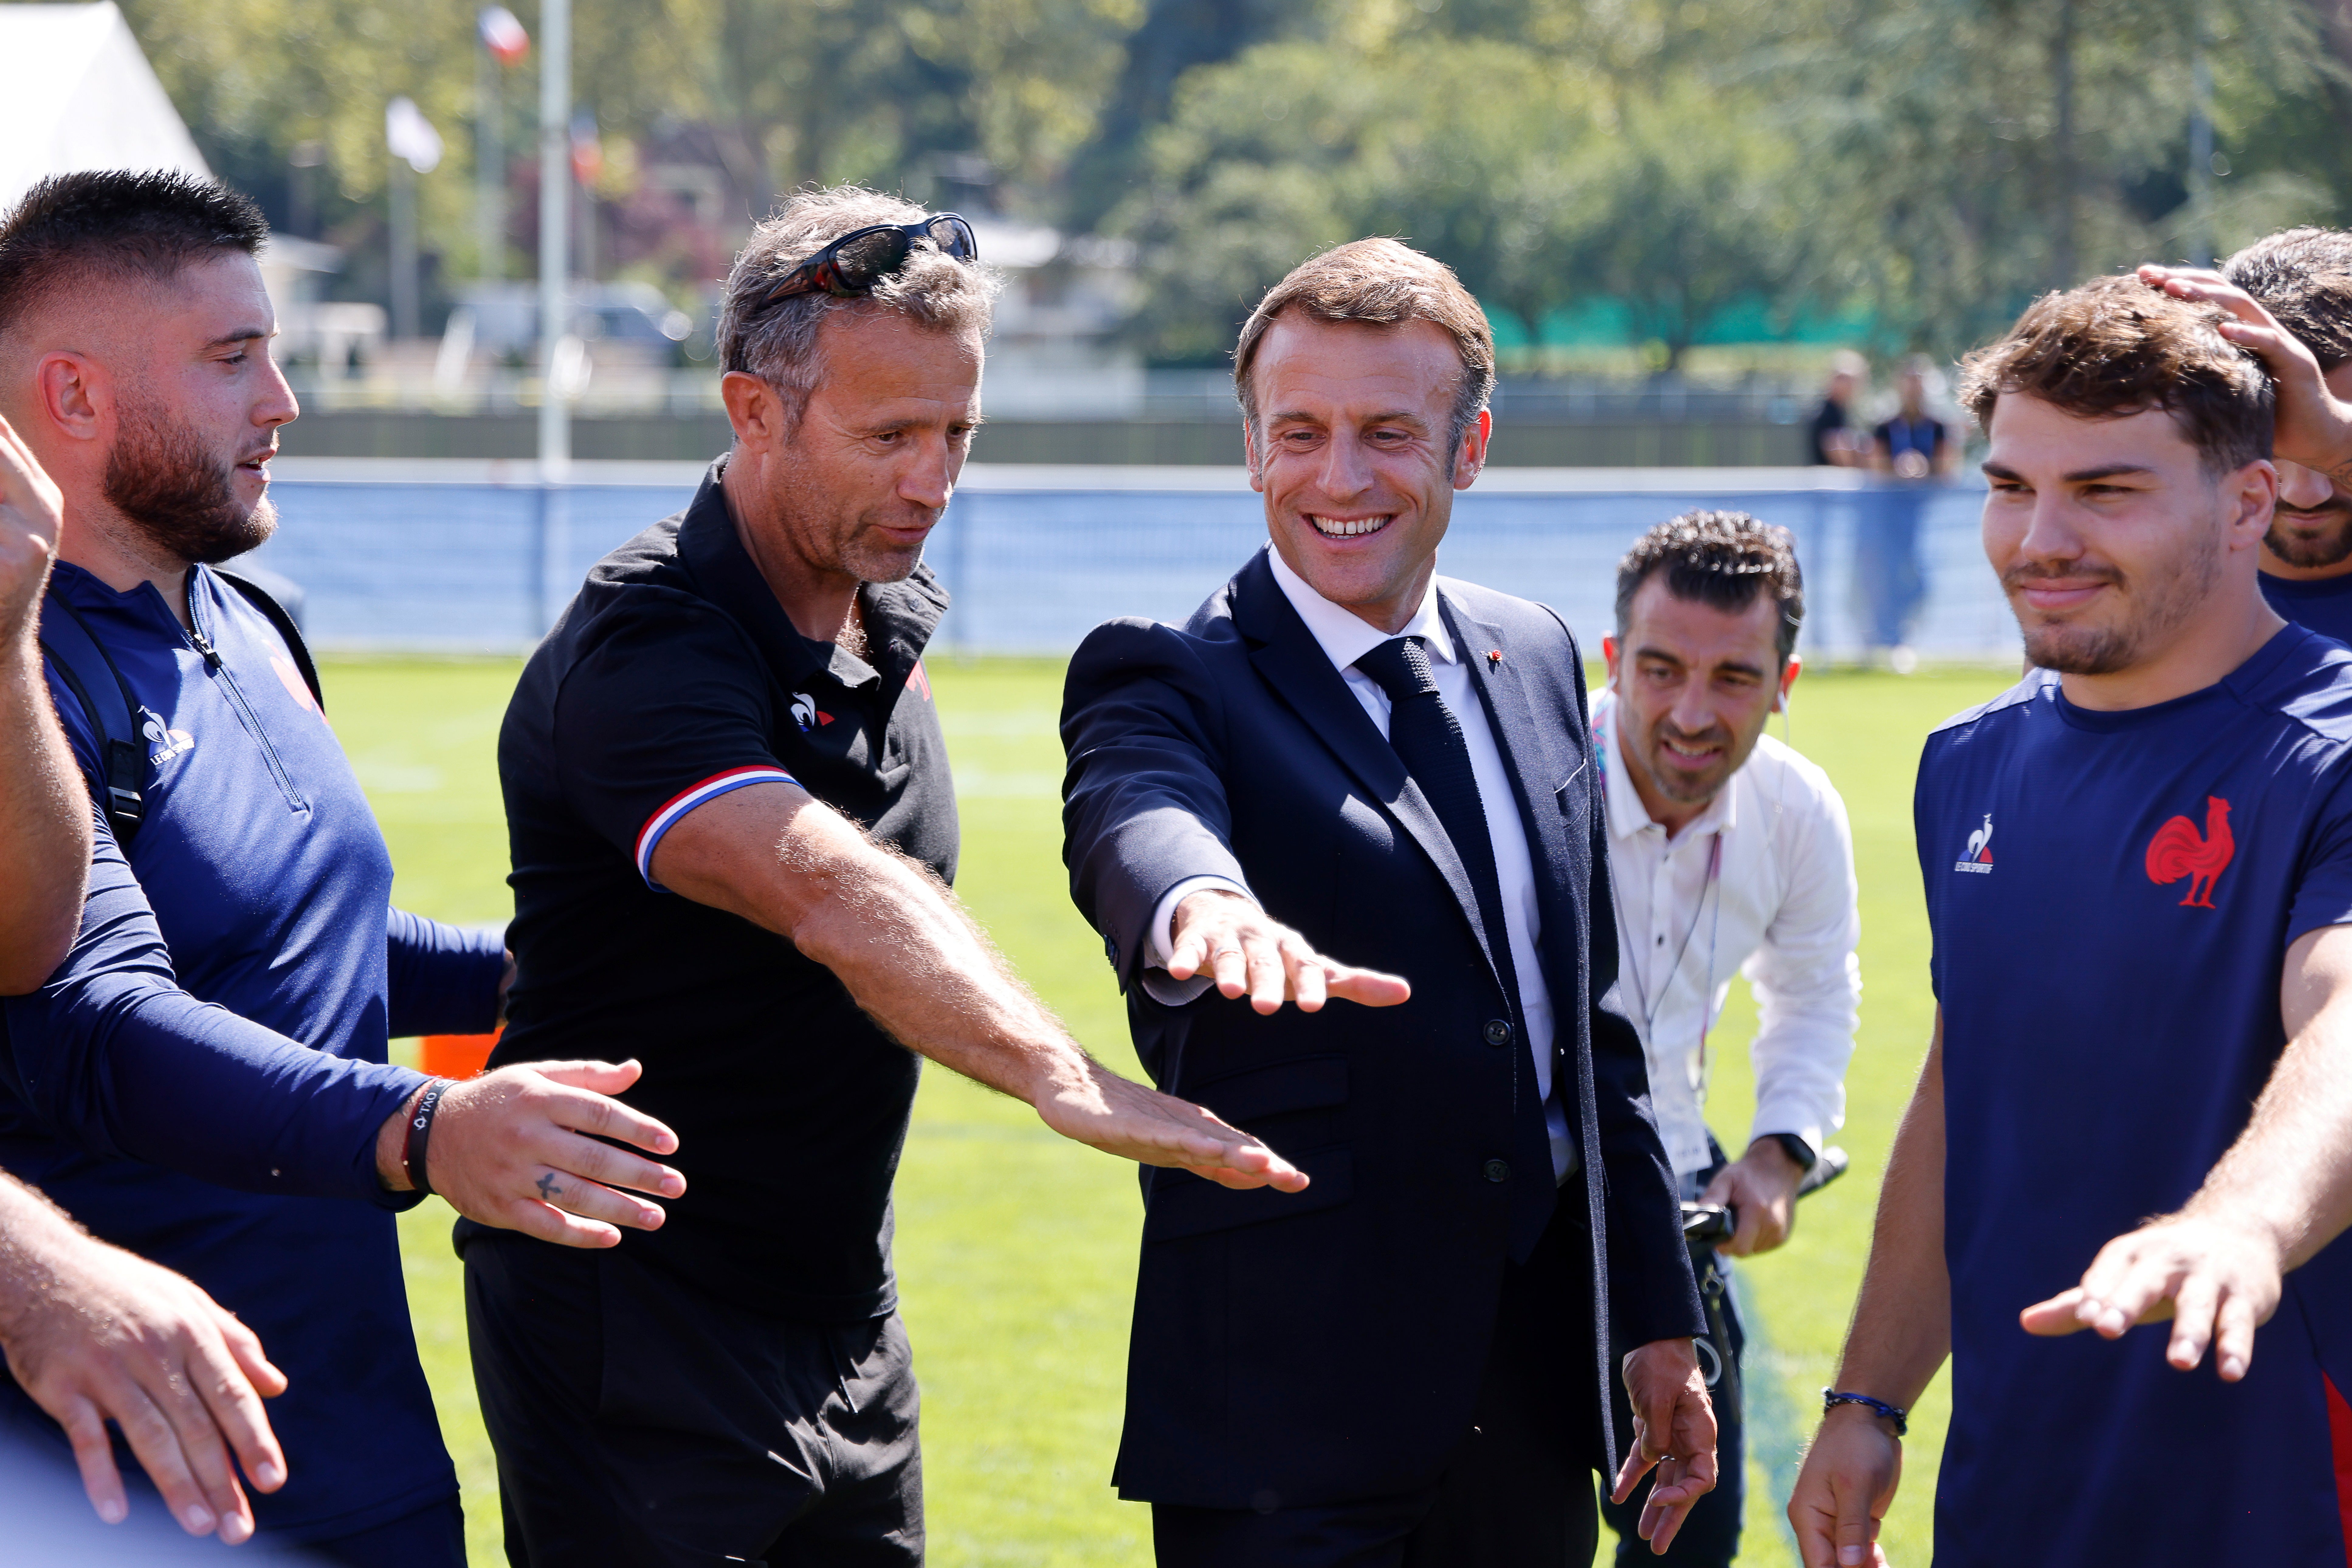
pixel 1093 1106
pixel 2313 425
pixel 2217 1281
pixel 1674 1430
pixel 519 1149
pixel 1247 950
pixel 97 1335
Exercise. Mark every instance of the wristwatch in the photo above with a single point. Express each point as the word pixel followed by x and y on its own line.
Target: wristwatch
pixel 1796 1148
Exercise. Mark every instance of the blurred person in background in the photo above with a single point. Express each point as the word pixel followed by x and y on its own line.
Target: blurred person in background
pixel 203 1079
pixel 1341 751
pixel 93 1334
pixel 2137 866
pixel 1910 450
pixel 1831 435
pixel 1728 853
pixel 733 832
pixel 2297 283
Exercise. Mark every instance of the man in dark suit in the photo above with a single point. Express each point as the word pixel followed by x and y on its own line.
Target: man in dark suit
pixel 1406 1363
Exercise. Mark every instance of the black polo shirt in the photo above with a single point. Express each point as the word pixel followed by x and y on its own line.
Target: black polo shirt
pixel 672 678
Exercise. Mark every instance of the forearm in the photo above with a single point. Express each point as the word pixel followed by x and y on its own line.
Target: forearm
pixel 128 1064
pixel 36 1244
pixel 1902 1328
pixel 45 826
pixel 2289 1174
pixel 889 930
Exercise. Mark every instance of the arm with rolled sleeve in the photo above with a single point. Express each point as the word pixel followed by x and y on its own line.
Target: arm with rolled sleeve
pixel 116 1058
pixel 1808 982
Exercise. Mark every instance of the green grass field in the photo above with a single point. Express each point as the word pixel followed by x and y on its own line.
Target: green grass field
pixel 1015 1250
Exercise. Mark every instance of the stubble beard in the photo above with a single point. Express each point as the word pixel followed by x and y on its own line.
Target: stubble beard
pixel 176 493
pixel 2150 617
pixel 2331 548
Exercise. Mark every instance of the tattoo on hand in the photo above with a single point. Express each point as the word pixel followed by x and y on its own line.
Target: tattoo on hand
pixel 547 1187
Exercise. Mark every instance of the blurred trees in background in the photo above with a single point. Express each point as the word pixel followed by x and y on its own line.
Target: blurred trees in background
pixel 1662 170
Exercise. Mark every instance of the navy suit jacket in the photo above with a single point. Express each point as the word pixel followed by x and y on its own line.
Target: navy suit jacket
pixel 1327 1345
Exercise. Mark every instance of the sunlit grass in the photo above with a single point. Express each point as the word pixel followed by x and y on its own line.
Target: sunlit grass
pixel 1017 1250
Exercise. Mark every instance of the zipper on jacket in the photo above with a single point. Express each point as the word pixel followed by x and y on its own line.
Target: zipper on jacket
pixel 246 715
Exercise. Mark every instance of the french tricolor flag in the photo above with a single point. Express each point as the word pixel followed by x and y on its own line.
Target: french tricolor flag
pixel 649 837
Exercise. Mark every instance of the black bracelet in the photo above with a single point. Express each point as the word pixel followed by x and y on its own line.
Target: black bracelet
pixel 420 1135
pixel 1832 1399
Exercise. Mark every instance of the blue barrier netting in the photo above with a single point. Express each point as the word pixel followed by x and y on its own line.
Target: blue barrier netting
pixel 391 560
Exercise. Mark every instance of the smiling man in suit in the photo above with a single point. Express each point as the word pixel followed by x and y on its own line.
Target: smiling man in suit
pixel 1341 752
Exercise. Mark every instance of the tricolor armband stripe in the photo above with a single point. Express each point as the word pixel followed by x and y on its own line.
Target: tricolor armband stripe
pixel 649 837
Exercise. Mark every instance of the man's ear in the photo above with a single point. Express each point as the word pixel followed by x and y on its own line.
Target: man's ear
pixel 1472 457
pixel 1249 456
pixel 1608 655
pixel 754 410
pixel 1789 673
pixel 2253 495
pixel 74 394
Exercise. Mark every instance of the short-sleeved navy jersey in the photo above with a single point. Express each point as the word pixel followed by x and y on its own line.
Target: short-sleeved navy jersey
pixel 672 678
pixel 2323 604
pixel 2112 896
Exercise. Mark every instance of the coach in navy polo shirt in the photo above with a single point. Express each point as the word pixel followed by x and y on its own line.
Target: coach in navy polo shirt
pixel 732 827
pixel 2138 872
pixel 203 1081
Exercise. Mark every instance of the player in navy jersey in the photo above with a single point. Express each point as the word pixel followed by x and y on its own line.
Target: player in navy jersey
pixel 2137 864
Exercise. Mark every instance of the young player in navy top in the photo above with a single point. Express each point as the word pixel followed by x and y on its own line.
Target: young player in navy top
pixel 2294 288
pixel 2139 864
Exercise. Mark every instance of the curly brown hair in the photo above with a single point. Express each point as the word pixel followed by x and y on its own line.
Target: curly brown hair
pixel 1722 558
pixel 2114 347
pixel 2304 277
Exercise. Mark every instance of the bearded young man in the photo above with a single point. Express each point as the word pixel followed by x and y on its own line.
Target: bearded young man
pixel 203 1079
pixel 2152 942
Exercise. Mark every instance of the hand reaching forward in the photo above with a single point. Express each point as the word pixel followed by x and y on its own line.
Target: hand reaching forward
pixel 1247 950
pixel 512 1149
pixel 1093 1106
pixel 1674 1430
pixel 2313 425
pixel 95 1334
pixel 2217 1281
pixel 30 509
pixel 1842 1494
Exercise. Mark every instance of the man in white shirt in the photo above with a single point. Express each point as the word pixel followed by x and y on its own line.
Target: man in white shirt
pixel 1728 854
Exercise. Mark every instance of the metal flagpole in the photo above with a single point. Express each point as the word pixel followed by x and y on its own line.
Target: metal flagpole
pixel 557 350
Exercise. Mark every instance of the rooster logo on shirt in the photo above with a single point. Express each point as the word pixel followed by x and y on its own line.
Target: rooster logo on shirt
pixel 1977 857
pixel 2178 850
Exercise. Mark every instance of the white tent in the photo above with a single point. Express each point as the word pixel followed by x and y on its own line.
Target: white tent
pixel 80 95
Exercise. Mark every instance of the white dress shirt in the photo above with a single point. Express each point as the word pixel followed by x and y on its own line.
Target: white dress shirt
pixel 1761 883
pixel 1346 637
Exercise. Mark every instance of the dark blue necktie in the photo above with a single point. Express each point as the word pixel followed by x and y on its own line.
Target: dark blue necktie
pixel 1428 740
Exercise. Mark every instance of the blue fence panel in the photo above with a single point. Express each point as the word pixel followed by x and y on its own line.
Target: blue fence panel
pixel 444 567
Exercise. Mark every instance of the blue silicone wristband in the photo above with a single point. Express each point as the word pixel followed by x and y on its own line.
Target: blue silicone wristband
pixel 1832 1399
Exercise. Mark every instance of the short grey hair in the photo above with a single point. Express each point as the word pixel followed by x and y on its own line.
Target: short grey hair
pixel 779 344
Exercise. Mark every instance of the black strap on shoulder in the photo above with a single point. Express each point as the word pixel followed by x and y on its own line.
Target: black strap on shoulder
pixel 82 662
pixel 276 614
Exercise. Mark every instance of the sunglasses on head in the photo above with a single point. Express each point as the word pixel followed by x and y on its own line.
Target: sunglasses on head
pixel 860 259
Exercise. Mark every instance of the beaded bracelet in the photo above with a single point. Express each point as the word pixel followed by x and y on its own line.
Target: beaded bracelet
pixel 420 1134
pixel 1832 1399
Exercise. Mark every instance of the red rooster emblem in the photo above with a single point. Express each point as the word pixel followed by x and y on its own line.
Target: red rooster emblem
pixel 2178 850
